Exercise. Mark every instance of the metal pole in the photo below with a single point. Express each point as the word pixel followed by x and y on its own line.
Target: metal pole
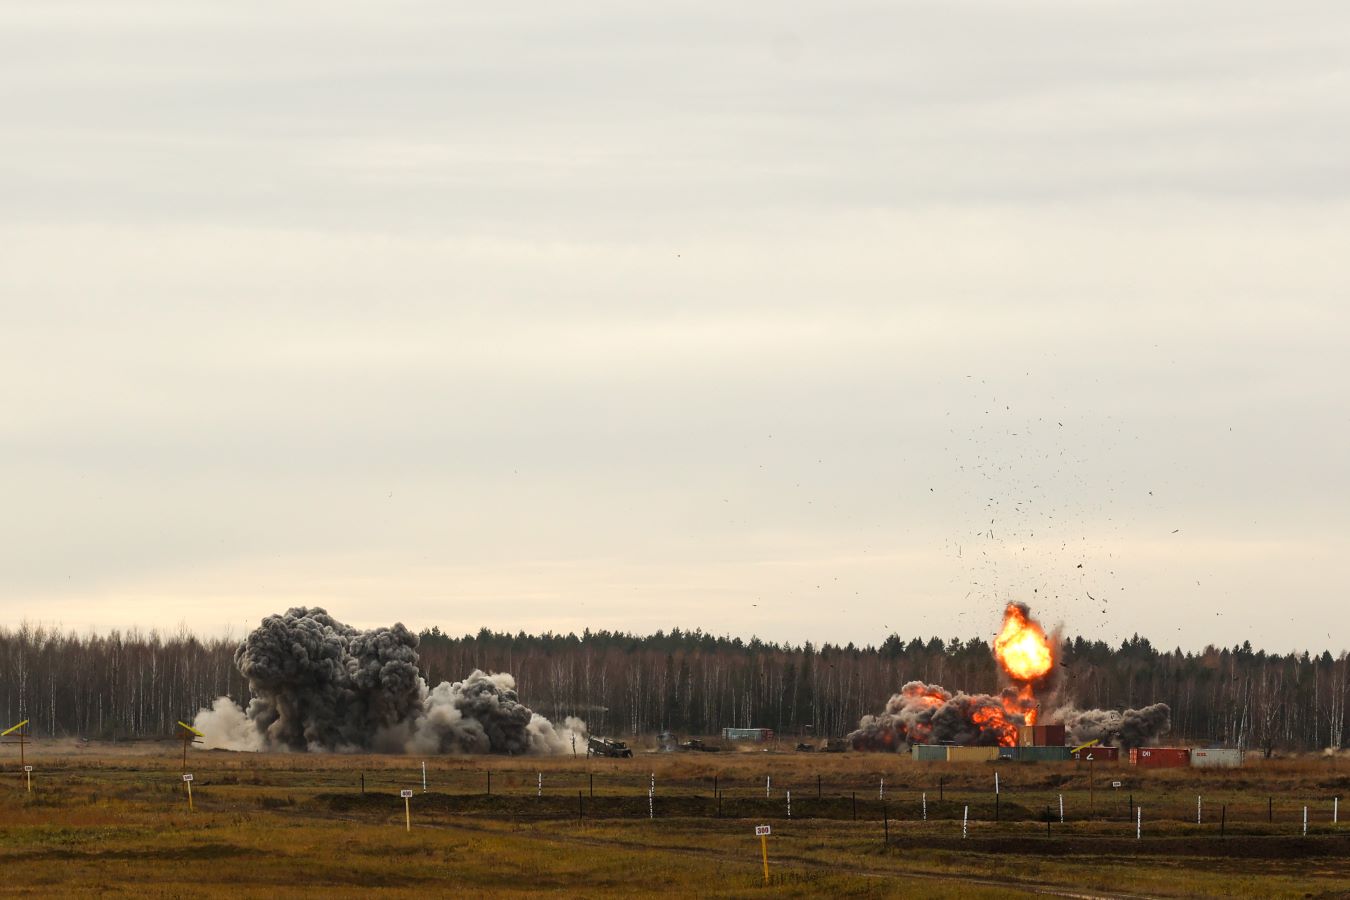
pixel 1139 824
pixel 1061 809
pixel 881 791
pixel 424 776
pixel 767 781
pixel 924 800
pixel 965 821
pixel 789 802
pixel 1197 809
pixel 1305 821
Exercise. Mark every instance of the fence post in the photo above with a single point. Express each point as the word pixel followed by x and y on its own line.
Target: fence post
pixel 886 823
pixel 855 806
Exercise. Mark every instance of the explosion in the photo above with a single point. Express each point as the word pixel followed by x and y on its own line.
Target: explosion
pixel 319 684
pixel 1021 646
pixel 1025 654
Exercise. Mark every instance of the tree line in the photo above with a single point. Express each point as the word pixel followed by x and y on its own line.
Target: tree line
pixel 134 684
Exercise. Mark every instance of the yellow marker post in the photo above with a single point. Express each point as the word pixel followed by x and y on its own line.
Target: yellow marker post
pixel 763 832
pixel 1081 747
pixel 187 779
pixel 407 807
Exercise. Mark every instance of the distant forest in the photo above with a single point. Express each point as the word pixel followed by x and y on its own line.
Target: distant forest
pixel 135 684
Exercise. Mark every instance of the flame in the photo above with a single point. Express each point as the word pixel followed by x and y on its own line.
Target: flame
pixel 1021 703
pixel 1022 648
pixel 992 719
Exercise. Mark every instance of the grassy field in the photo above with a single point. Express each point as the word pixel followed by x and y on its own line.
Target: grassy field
pixel 116 821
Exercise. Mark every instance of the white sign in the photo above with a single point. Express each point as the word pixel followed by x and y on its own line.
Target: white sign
pixel 405 794
pixel 1115 784
pixel 761 830
pixel 187 777
pixel 28 768
pixel 1088 757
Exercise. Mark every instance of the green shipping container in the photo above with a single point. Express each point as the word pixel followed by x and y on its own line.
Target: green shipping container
pixel 1042 754
pixel 928 752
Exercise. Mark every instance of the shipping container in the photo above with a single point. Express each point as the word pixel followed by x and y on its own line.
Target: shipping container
pixel 1040 735
pixel 928 752
pixel 1049 735
pixel 1160 757
pixel 1217 757
pixel 1007 753
pixel 1042 754
pixel 747 734
pixel 972 754
pixel 1098 754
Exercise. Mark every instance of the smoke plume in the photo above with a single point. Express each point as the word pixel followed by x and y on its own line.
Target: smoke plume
pixel 318 684
pixel 930 714
pixel 1129 729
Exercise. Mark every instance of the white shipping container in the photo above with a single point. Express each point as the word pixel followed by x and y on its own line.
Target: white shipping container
pixel 1221 757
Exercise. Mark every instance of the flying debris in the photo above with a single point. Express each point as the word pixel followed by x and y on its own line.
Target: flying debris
pixel 321 685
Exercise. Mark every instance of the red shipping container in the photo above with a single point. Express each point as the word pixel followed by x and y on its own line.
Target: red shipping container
pixel 1049 735
pixel 1160 757
pixel 1099 754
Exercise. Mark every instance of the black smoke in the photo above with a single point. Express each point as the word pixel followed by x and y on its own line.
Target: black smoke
pixel 930 714
pixel 319 684
pixel 1126 729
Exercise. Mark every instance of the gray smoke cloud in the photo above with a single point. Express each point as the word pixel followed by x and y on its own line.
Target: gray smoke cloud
pixel 321 685
pixel 1127 729
pixel 930 714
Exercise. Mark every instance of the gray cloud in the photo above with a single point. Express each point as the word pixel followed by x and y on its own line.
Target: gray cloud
pixel 710 306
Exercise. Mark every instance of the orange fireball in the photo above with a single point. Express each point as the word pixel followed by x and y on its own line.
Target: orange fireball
pixel 1021 646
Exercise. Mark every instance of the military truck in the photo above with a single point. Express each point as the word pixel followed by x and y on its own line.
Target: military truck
pixel 603 746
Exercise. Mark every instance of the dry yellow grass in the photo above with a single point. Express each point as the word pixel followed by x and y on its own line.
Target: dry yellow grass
pixel 116 822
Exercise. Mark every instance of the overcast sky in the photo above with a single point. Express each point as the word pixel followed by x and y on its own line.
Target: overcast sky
pixel 811 321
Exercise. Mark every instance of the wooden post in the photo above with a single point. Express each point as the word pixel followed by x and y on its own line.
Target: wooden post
pixel 764 851
pixel 363 782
